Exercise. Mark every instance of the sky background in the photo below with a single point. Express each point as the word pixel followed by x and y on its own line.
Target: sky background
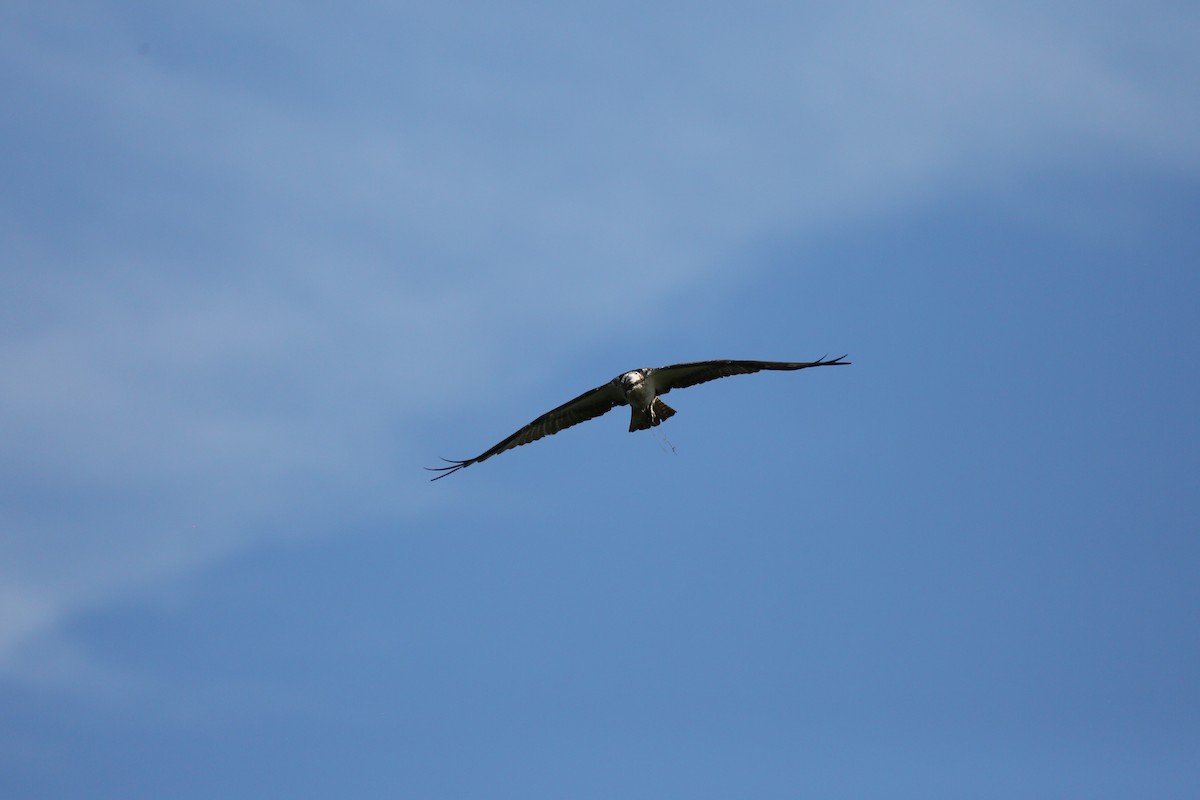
pixel 262 262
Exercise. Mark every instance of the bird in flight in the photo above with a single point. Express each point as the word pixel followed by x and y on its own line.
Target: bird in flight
pixel 641 390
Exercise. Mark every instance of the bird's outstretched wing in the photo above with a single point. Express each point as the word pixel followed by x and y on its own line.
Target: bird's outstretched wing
pixel 681 376
pixel 588 405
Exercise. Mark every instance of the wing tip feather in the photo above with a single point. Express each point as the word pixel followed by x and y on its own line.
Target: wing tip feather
pixel 454 467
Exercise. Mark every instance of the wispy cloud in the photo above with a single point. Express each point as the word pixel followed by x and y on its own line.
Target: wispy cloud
pixel 252 257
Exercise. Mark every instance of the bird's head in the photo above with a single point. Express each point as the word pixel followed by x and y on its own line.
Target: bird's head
pixel 631 380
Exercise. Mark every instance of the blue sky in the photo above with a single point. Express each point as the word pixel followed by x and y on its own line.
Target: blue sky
pixel 263 262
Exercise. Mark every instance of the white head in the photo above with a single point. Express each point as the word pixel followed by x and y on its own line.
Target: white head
pixel 631 380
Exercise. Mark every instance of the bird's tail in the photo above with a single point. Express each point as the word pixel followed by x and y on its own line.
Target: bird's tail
pixel 640 420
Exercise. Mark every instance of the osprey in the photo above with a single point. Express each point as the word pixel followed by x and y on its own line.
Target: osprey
pixel 641 390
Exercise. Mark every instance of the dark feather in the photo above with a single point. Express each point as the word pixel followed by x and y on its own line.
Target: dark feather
pixel 588 405
pixel 681 376
pixel 640 420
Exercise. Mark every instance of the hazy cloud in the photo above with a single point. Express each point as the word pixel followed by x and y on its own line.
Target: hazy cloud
pixel 251 255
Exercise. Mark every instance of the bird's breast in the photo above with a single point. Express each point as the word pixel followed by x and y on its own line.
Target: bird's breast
pixel 641 396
